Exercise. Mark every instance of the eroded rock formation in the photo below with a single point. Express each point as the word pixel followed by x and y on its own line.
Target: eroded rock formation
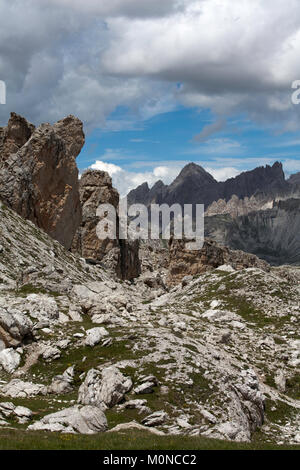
pixel 184 262
pixel 120 256
pixel 39 176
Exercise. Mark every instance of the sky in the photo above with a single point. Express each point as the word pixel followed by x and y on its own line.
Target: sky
pixel 157 83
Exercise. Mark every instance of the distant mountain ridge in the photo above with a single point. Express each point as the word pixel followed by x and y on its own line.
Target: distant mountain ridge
pixel 258 211
pixel 194 185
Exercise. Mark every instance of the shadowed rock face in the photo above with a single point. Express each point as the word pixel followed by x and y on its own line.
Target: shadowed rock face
pixel 95 188
pixel 39 176
pixel 120 256
pixel 294 179
pixel 194 185
pixel 271 234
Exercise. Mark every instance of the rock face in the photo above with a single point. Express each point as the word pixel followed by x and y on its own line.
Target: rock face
pixel 294 179
pixel 194 185
pixel 185 262
pixel 272 234
pixel 120 256
pixel 39 176
pixel 95 188
pixel 236 207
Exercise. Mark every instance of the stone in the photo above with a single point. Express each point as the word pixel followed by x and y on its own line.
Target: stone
pixel 155 419
pixel 62 383
pixel 104 388
pixel 15 327
pixel 77 419
pixel 9 360
pixel 17 388
pixel 146 387
pixel 124 427
pixel 94 336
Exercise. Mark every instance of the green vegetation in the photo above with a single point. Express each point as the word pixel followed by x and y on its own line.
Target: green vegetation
pixel 293 387
pixel 27 289
pixel 129 440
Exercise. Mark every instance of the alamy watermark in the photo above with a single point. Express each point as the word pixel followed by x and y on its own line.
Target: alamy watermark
pixel 2 92
pixel 155 222
pixel 296 94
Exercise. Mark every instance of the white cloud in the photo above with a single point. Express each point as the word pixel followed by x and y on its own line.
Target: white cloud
pixel 125 180
pixel 89 58
pixel 218 146
pixel 225 54
pixel 223 174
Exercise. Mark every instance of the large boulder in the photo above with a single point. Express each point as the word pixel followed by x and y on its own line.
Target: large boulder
pixel 39 176
pixel 9 360
pixel 15 328
pixel 104 389
pixel 77 419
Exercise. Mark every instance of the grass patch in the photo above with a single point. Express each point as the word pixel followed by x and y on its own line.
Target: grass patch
pixel 27 289
pixel 129 440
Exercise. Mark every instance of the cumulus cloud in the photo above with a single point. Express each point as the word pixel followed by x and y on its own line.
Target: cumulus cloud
pixel 125 180
pixel 225 54
pixel 223 174
pixel 90 58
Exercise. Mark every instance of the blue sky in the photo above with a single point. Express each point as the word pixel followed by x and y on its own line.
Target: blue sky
pixel 158 84
pixel 169 140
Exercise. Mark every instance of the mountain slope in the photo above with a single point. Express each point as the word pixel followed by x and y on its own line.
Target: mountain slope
pixel 216 356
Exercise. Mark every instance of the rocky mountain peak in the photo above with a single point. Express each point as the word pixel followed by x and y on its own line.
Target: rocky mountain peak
pixel 194 185
pixel 194 170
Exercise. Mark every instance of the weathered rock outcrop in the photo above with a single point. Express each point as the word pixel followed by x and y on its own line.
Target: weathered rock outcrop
pixel 95 188
pixel 236 206
pixel 184 262
pixel 39 176
pixel 120 256
pixel 272 233
pixel 104 389
pixel 77 419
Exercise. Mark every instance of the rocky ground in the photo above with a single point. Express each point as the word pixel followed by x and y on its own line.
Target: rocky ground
pixel 217 355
